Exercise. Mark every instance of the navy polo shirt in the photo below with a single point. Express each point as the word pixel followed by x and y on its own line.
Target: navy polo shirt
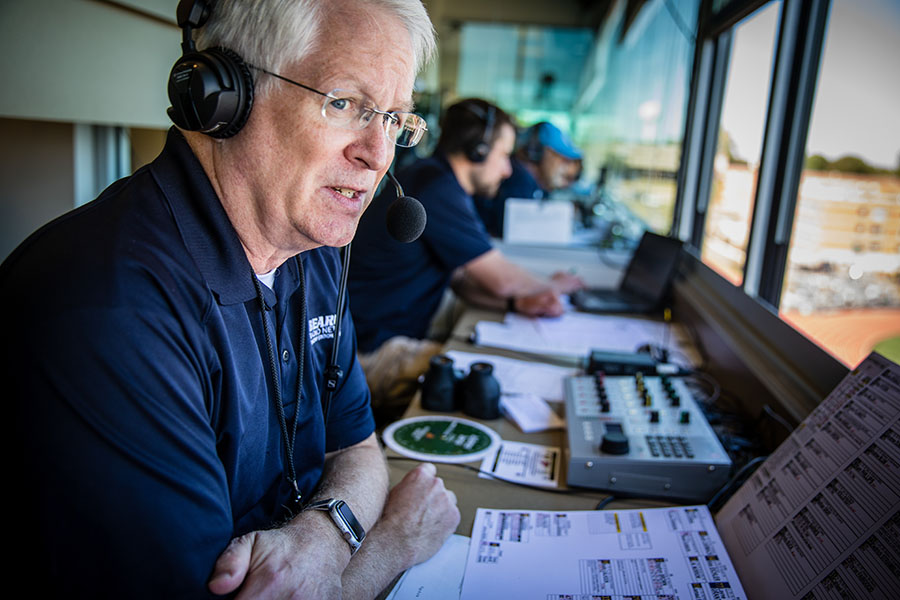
pixel 142 390
pixel 396 288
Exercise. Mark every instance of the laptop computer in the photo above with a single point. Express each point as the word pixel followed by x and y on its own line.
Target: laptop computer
pixel 645 283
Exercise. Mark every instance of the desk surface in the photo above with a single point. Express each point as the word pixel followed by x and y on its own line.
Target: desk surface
pixel 472 491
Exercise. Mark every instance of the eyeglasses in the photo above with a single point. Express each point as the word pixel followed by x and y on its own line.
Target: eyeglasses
pixel 354 110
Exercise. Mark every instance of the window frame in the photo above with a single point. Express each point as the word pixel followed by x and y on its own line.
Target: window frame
pixel 799 372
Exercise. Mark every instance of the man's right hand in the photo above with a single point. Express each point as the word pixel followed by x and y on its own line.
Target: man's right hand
pixel 541 304
pixel 287 562
pixel 420 514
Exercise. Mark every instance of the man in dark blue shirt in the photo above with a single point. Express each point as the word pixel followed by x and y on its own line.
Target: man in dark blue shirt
pixel 545 161
pixel 395 288
pixel 170 339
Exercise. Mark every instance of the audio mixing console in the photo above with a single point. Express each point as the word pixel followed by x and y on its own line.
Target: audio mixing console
pixel 641 436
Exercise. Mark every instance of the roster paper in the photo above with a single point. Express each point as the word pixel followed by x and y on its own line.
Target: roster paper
pixel 819 519
pixel 654 553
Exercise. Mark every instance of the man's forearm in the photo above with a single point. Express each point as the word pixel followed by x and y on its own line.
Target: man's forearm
pixel 357 475
pixel 420 513
pixel 308 554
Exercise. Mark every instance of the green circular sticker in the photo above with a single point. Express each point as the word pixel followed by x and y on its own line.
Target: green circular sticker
pixel 441 439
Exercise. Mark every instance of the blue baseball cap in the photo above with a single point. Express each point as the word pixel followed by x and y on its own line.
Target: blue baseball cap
pixel 550 136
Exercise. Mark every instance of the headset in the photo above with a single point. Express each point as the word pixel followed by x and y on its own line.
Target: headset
pixel 477 150
pixel 211 91
pixel 533 148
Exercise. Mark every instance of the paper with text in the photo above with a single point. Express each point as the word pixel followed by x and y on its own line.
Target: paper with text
pixel 672 553
pixel 821 517
pixel 438 578
pixel 521 462
pixel 572 334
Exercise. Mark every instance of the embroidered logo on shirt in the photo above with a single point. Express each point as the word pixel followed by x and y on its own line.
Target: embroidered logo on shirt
pixel 321 328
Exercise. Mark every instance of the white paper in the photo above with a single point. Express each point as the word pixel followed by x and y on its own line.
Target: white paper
pixel 438 578
pixel 572 334
pixel 530 413
pixel 521 462
pixel 519 376
pixel 821 517
pixel 673 553
pixel 538 221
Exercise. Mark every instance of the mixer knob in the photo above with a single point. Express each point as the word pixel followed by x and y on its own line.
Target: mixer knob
pixel 614 442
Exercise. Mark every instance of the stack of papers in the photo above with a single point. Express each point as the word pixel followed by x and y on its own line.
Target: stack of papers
pixel 519 376
pixel 572 334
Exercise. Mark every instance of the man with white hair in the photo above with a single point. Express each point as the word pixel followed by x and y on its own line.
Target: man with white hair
pixel 182 429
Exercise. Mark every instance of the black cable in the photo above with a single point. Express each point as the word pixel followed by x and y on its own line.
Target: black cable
pixel 709 398
pixel 731 482
pixel 767 410
pixel 333 372
pixel 602 504
pixel 273 369
pixel 565 491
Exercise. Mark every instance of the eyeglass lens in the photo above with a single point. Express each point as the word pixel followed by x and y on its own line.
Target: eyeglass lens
pixel 355 111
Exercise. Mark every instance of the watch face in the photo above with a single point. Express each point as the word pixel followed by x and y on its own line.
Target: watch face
pixel 347 515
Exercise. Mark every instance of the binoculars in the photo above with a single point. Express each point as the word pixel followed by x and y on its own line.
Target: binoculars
pixel 447 389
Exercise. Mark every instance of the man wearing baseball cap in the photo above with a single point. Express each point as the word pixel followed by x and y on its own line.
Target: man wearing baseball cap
pixel 546 160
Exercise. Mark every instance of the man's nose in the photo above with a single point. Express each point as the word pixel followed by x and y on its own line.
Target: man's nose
pixel 372 147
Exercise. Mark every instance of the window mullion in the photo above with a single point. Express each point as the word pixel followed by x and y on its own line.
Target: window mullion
pixel 767 193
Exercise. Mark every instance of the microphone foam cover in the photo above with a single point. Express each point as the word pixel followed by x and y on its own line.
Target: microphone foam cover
pixel 405 219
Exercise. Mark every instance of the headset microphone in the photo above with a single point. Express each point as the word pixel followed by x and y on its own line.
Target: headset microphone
pixel 405 223
pixel 406 216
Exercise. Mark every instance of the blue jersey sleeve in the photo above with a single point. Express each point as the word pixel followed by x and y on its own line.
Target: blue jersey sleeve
pixel 123 461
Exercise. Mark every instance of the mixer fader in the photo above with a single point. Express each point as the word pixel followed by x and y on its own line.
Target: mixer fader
pixel 641 435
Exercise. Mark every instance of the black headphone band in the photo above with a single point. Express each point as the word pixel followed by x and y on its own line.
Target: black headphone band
pixel 211 90
pixel 477 151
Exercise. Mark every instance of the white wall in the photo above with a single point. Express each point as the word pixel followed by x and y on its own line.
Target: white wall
pixel 86 61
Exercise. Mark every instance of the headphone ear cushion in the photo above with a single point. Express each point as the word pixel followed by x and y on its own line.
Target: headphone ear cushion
pixel 479 152
pixel 211 91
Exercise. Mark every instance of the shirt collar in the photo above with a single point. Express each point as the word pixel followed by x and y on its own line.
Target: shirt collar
pixel 207 232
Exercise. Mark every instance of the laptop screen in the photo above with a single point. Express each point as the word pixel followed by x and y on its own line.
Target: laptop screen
pixel 652 266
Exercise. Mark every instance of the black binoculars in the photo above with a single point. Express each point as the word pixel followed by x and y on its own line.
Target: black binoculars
pixel 447 389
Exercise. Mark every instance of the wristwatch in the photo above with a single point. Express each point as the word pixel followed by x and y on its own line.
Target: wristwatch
pixel 345 520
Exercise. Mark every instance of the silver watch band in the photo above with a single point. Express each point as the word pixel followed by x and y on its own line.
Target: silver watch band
pixel 346 522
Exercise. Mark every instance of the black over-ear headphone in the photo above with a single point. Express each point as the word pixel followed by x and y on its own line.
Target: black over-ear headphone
pixel 477 150
pixel 210 91
pixel 533 148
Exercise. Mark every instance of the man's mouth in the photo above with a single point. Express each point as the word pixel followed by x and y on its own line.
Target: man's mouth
pixel 346 192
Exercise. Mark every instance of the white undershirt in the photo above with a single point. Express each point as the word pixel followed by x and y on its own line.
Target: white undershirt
pixel 268 278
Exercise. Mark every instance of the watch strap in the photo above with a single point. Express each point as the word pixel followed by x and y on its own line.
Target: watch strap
pixel 340 514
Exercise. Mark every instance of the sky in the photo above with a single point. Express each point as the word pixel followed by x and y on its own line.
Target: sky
pixel 857 104
pixel 857 107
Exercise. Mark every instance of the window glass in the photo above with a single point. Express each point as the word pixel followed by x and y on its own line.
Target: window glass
pixel 842 278
pixel 523 68
pixel 739 146
pixel 621 93
pixel 630 116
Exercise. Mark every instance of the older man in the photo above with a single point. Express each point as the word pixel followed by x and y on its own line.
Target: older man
pixel 172 337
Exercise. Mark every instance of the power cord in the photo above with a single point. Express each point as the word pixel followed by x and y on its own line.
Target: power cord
pixel 739 478
pixel 564 491
pixel 602 504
